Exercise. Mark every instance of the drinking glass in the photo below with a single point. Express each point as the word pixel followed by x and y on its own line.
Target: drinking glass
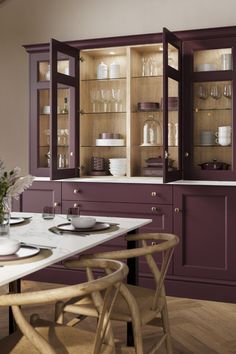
pixel 93 99
pixel 202 92
pixel 116 98
pixel 48 212
pixel 215 92
pixel 73 211
pixel 227 91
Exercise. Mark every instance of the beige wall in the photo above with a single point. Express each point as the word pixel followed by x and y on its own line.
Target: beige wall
pixel 35 21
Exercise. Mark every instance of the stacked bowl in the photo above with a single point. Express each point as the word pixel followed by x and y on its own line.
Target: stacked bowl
pixel 117 166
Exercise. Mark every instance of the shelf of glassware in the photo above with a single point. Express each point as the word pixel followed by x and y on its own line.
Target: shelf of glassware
pixel 213 122
pixel 44 138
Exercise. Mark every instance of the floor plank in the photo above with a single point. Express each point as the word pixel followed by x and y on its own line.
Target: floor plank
pixel 198 327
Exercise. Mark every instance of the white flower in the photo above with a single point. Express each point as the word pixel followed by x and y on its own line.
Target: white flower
pixel 20 184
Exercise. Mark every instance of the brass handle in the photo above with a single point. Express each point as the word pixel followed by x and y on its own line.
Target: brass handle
pixel 155 209
pixel 177 210
pixel 154 194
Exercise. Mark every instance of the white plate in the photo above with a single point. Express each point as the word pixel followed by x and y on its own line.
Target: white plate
pixel 16 220
pixel 24 252
pixel 110 142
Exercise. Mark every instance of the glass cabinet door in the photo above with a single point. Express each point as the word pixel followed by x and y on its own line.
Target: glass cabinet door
pixel 64 127
pixel 39 114
pixel 209 132
pixel 172 106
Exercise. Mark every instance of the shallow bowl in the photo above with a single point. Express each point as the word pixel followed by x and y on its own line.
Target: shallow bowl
pixel 82 222
pixel 8 246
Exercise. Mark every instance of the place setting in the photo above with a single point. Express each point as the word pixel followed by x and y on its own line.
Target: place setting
pixel 81 225
pixel 14 252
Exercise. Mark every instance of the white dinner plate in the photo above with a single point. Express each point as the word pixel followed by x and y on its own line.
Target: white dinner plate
pixel 23 252
pixel 16 220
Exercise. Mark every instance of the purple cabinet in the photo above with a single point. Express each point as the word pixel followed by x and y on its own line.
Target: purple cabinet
pixel 204 260
pixel 41 194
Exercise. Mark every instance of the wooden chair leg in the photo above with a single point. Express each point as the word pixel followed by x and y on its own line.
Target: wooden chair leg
pixel 59 313
pixel 166 329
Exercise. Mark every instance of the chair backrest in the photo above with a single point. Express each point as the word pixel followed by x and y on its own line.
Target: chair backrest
pixel 151 244
pixel 115 272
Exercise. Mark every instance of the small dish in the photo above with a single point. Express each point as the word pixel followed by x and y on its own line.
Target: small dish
pixel 8 246
pixel 82 222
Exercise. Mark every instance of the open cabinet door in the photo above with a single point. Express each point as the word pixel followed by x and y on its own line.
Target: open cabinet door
pixel 64 96
pixel 172 106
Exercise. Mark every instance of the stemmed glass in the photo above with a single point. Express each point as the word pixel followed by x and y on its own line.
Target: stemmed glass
pixel 93 98
pixel 215 92
pixel 227 91
pixel 105 94
pixel 116 97
pixel 202 92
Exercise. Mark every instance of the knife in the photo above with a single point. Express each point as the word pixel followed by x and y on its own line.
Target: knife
pixel 27 244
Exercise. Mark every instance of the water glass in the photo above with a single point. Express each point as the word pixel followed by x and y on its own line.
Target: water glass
pixel 74 211
pixel 48 212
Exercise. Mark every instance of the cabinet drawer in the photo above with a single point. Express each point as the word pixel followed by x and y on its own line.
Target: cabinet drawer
pixel 115 192
pixel 161 215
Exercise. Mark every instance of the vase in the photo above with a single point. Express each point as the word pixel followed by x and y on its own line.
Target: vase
pixel 5 210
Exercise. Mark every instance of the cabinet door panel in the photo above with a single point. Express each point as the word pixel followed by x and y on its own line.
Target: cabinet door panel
pixel 42 194
pixel 206 226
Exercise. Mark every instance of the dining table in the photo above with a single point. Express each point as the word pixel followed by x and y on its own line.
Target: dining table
pixel 54 245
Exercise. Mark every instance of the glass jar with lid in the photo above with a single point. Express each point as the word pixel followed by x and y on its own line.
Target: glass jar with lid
pixel 152 134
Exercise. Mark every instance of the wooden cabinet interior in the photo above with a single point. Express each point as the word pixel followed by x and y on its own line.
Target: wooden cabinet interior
pixel 110 105
pixel 212 106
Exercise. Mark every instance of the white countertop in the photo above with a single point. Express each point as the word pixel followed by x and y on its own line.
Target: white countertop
pixel 36 232
pixel 141 180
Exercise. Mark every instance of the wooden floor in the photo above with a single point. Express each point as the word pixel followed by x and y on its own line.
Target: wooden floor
pixel 198 327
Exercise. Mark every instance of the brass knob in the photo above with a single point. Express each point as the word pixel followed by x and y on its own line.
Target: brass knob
pixel 154 194
pixel 153 243
pixel 186 154
pixel 75 205
pixel 55 204
pixel 76 191
pixel 177 210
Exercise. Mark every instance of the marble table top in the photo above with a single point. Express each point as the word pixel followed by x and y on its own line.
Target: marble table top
pixel 36 231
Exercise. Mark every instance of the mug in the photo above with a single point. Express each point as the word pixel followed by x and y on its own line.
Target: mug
pixel 223 141
pixel 223 136
pixel 224 130
pixel 207 137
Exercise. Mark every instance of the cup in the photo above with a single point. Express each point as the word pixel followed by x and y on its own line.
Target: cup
pixel 226 129
pixel 207 137
pixel 226 61
pixel 224 140
pixel 48 212
pixel 224 135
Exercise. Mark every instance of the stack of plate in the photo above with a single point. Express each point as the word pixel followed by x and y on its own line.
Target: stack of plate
pixel 148 106
pixel 110 139
pixel 118 166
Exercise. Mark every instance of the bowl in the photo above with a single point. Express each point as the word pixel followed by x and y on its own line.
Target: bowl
pixel 82 222
pixel 8 246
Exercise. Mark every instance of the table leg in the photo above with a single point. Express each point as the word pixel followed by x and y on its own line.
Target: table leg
pixel 132 278
pixel 14 287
